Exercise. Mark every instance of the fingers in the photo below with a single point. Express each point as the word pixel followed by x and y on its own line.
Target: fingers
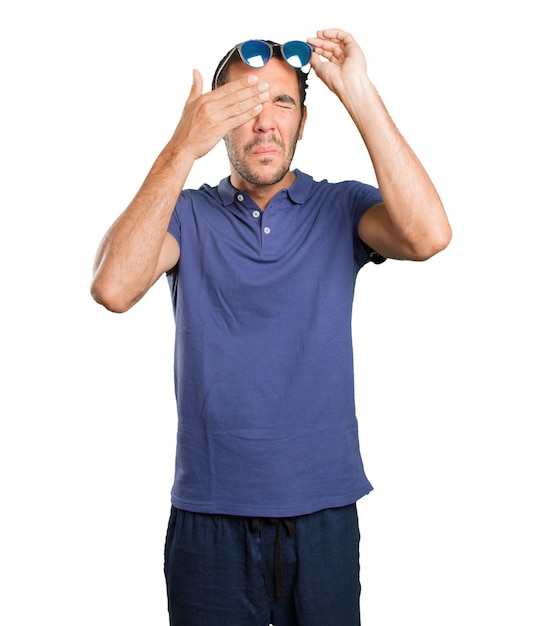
pixel 335 36
pixel 239 101
pixel 242 90
pixel 337 57
pixel 332 44
pixel 208 117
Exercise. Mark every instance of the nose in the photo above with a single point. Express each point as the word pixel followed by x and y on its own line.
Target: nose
pixel 265 122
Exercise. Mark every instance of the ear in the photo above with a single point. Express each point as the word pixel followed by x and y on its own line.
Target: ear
pixel 301 127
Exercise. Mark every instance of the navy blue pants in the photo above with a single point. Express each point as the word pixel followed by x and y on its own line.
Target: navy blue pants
pixel 224 570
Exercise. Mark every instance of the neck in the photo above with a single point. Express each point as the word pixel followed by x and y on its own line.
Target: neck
pixel 261 194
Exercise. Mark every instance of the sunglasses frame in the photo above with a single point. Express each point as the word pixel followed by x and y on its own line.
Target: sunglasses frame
pixel 270 46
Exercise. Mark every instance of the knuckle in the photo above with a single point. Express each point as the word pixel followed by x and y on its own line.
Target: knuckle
pixel 238 108
pixel 208 112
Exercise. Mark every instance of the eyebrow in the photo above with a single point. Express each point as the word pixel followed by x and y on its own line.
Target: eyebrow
pixel 284 97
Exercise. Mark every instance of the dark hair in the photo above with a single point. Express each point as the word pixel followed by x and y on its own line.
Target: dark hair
pixel 220 77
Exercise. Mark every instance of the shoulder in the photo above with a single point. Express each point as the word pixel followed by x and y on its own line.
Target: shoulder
pixel 349 190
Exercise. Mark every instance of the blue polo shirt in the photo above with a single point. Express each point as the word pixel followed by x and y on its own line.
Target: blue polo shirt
pixel 263 354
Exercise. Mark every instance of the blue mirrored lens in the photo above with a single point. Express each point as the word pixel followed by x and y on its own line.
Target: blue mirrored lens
pixel 255 53
pixel 297 53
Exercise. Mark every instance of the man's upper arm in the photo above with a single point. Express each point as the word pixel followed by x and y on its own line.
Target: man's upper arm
pixel 377 232
pixel 168 257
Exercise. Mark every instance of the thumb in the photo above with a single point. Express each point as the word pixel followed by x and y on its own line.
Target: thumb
pixel 197 86
pixel 317 63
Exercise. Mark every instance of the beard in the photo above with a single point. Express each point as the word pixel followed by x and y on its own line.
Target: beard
pixel 263 174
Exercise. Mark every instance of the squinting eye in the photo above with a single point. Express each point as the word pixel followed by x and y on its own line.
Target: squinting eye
pixel 283 104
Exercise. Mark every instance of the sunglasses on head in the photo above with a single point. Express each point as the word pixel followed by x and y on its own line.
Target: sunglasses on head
pixel 256 53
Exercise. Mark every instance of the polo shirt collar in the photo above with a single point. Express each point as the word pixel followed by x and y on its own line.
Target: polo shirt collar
pixel 298 192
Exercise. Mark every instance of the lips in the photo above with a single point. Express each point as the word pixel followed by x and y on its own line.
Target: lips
pixel 264 151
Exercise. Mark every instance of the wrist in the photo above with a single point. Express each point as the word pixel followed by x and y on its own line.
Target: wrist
pixel 361 99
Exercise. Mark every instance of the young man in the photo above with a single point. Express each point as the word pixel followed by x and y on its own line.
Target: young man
pixel 262 271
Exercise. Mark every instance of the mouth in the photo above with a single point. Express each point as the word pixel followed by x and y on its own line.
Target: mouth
pixel 265 150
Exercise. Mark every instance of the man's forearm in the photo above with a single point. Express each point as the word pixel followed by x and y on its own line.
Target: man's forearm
pixel 409 195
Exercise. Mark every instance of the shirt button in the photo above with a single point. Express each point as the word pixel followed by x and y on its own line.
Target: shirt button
pixel 267 230
pixel 240 197
pixel 255 214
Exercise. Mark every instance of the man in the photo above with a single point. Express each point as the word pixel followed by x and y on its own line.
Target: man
pixel 262 271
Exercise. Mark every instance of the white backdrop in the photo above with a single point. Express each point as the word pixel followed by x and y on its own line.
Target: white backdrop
pixel 446 350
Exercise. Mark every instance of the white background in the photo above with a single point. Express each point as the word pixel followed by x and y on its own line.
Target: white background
pixel 446 350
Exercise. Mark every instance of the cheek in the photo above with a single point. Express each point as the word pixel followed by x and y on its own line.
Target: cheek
pixel 287 125
pixel 294 130
pixel 234 138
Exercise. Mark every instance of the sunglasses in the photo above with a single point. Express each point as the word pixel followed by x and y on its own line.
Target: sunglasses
pixel 256 53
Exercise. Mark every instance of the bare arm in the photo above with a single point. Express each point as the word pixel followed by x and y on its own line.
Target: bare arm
pixel 137 248
pixel 411 223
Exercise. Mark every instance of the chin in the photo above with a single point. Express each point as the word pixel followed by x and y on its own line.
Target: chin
pixel 267 174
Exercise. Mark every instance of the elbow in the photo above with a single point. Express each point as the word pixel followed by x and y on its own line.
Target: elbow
pixel 441 240
pixel 108 297
pixel 433 244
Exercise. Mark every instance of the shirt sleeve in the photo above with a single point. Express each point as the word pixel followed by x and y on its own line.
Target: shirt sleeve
pixel 174 227
pixel 362 197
